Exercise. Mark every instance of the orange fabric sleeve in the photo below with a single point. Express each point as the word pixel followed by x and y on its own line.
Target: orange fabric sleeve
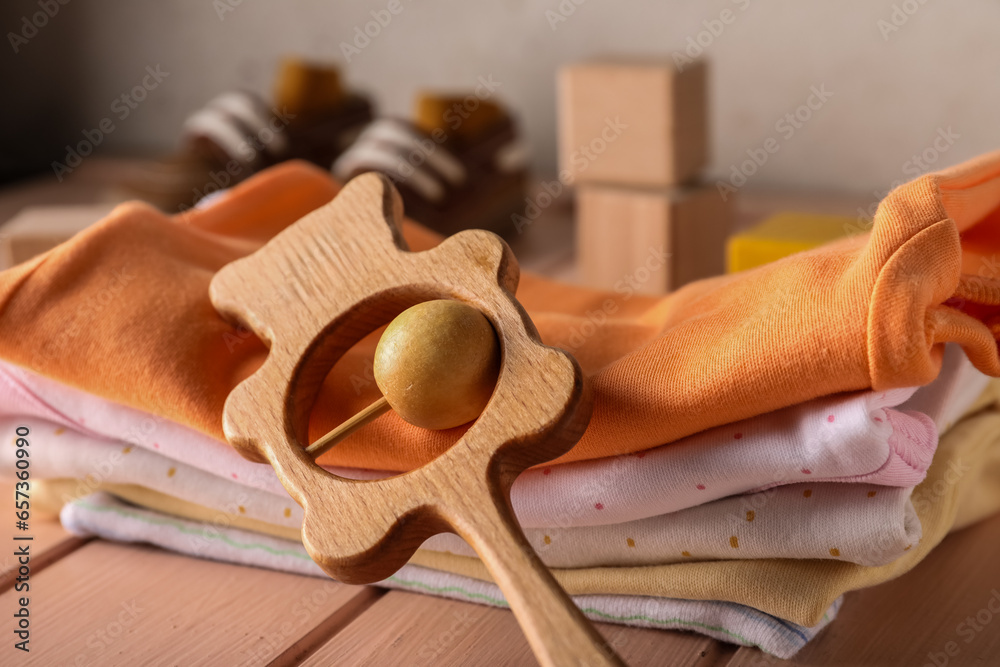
pixel 122 311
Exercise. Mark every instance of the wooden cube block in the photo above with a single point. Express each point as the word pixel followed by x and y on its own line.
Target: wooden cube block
pixel 650 240
pixel 633 123
pixel 785 234
pixel 37 229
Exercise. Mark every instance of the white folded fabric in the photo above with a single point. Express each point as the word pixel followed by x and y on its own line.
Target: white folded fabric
pixel 104 516
pixel 860 523
pixel 847 438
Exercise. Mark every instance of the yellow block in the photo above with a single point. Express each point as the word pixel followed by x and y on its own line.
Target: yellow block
pixel 785 234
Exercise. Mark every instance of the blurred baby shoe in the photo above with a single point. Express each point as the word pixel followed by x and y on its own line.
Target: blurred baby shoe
pixel 459 164
pixel 237 134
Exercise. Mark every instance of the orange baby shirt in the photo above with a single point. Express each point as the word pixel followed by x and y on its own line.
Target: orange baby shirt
pixel 122 311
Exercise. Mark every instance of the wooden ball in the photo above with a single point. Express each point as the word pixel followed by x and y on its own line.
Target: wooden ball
pixel 437 363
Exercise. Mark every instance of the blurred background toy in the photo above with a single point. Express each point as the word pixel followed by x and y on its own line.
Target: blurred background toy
pixel 634 139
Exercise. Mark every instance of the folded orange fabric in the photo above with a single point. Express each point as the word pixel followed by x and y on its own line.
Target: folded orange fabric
pixel 122 311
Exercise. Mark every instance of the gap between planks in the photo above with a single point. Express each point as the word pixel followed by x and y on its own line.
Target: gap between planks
pixel 49 543
pixel 328 628
pixel 416 629
pixel 111 603
pixel 41 560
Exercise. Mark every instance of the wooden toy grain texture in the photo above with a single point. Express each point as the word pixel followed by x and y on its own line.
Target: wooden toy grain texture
pixel 653 239
pixel 633 122
pixel 310 294
pixel 437 364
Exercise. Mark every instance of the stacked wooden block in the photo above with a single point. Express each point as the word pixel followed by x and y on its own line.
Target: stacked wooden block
pixel 633 139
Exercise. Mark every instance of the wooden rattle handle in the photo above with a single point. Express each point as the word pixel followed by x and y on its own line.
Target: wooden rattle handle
pixel 558 632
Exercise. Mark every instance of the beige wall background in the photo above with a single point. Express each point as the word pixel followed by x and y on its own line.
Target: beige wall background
pixel 899 73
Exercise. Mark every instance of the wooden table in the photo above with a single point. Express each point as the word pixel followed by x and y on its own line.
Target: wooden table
pixel 98 603
pixel 94 602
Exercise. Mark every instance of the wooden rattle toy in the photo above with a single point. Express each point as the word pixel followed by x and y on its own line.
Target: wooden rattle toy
pixel 335 276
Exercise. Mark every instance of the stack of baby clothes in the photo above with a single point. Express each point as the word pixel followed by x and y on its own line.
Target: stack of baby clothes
pixel 761 443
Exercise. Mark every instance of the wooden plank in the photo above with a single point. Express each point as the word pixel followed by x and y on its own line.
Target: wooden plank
pixel 127 604
pixel 411 629
pixel 920 617
pixel 49 541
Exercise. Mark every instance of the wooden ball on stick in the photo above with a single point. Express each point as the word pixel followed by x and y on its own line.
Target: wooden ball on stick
pixel 436 364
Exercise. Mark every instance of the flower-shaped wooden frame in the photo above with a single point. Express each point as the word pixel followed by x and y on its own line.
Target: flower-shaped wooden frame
pixel 320 286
